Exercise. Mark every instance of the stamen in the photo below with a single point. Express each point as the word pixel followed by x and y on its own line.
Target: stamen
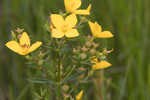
pixel 64 28
pixel 25 46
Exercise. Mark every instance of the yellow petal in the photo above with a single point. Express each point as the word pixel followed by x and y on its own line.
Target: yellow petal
pixel 105 34
pixel 95 28
pixel 98 27
pixel 101 65
pixel 83 12
pixel 71 20
pixel 24 39
pixel 92 27
pixel 57 34
pixel 89 7
pixel 57 20
pixel 79 95
pixel 72 5
pixel 14 46
pixel 34 46
pixel 72 33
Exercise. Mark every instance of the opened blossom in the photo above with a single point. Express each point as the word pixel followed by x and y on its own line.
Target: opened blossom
pixel 61 26
pixel 99 64
pixel 23 47
pixel 97 32
pixel 73 5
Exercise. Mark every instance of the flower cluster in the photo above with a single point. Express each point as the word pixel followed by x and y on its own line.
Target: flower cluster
pixel 65 27
pixel 61 27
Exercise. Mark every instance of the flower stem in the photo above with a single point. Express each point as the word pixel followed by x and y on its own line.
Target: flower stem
pixel 59 80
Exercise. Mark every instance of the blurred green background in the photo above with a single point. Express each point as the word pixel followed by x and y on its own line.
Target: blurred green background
pixel 129 20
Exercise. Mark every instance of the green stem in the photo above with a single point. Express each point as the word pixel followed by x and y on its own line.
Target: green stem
pixel 59 80
pixel 59 92
pixel 60 60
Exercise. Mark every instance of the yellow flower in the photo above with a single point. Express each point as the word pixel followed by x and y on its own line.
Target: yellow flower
pixel 99 64
pixel 73 5
pixel 23 47
pixel 63 27
pixel 79 95
pixel 96 30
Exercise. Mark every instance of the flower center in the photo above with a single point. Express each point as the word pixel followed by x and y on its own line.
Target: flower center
pixel 25 48
pixel 64 28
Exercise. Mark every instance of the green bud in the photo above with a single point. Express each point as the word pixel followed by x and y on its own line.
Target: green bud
pixel 65 88
pixel 83 55
pixel 88 44
pixel 84 49
pixel 75 50
pixel 19 30
pixel 95 45
pixel 13 35
pixel 92 51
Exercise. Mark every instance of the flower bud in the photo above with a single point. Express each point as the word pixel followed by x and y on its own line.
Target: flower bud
pixel 92 51
pixel 95 44
pixel 75 50
pixel 100 54
pixel 88 44
pixel 83 55
pixel 65 88
pixel 19 30
pixel 13 35
pixel 107 51
pixel 84 49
